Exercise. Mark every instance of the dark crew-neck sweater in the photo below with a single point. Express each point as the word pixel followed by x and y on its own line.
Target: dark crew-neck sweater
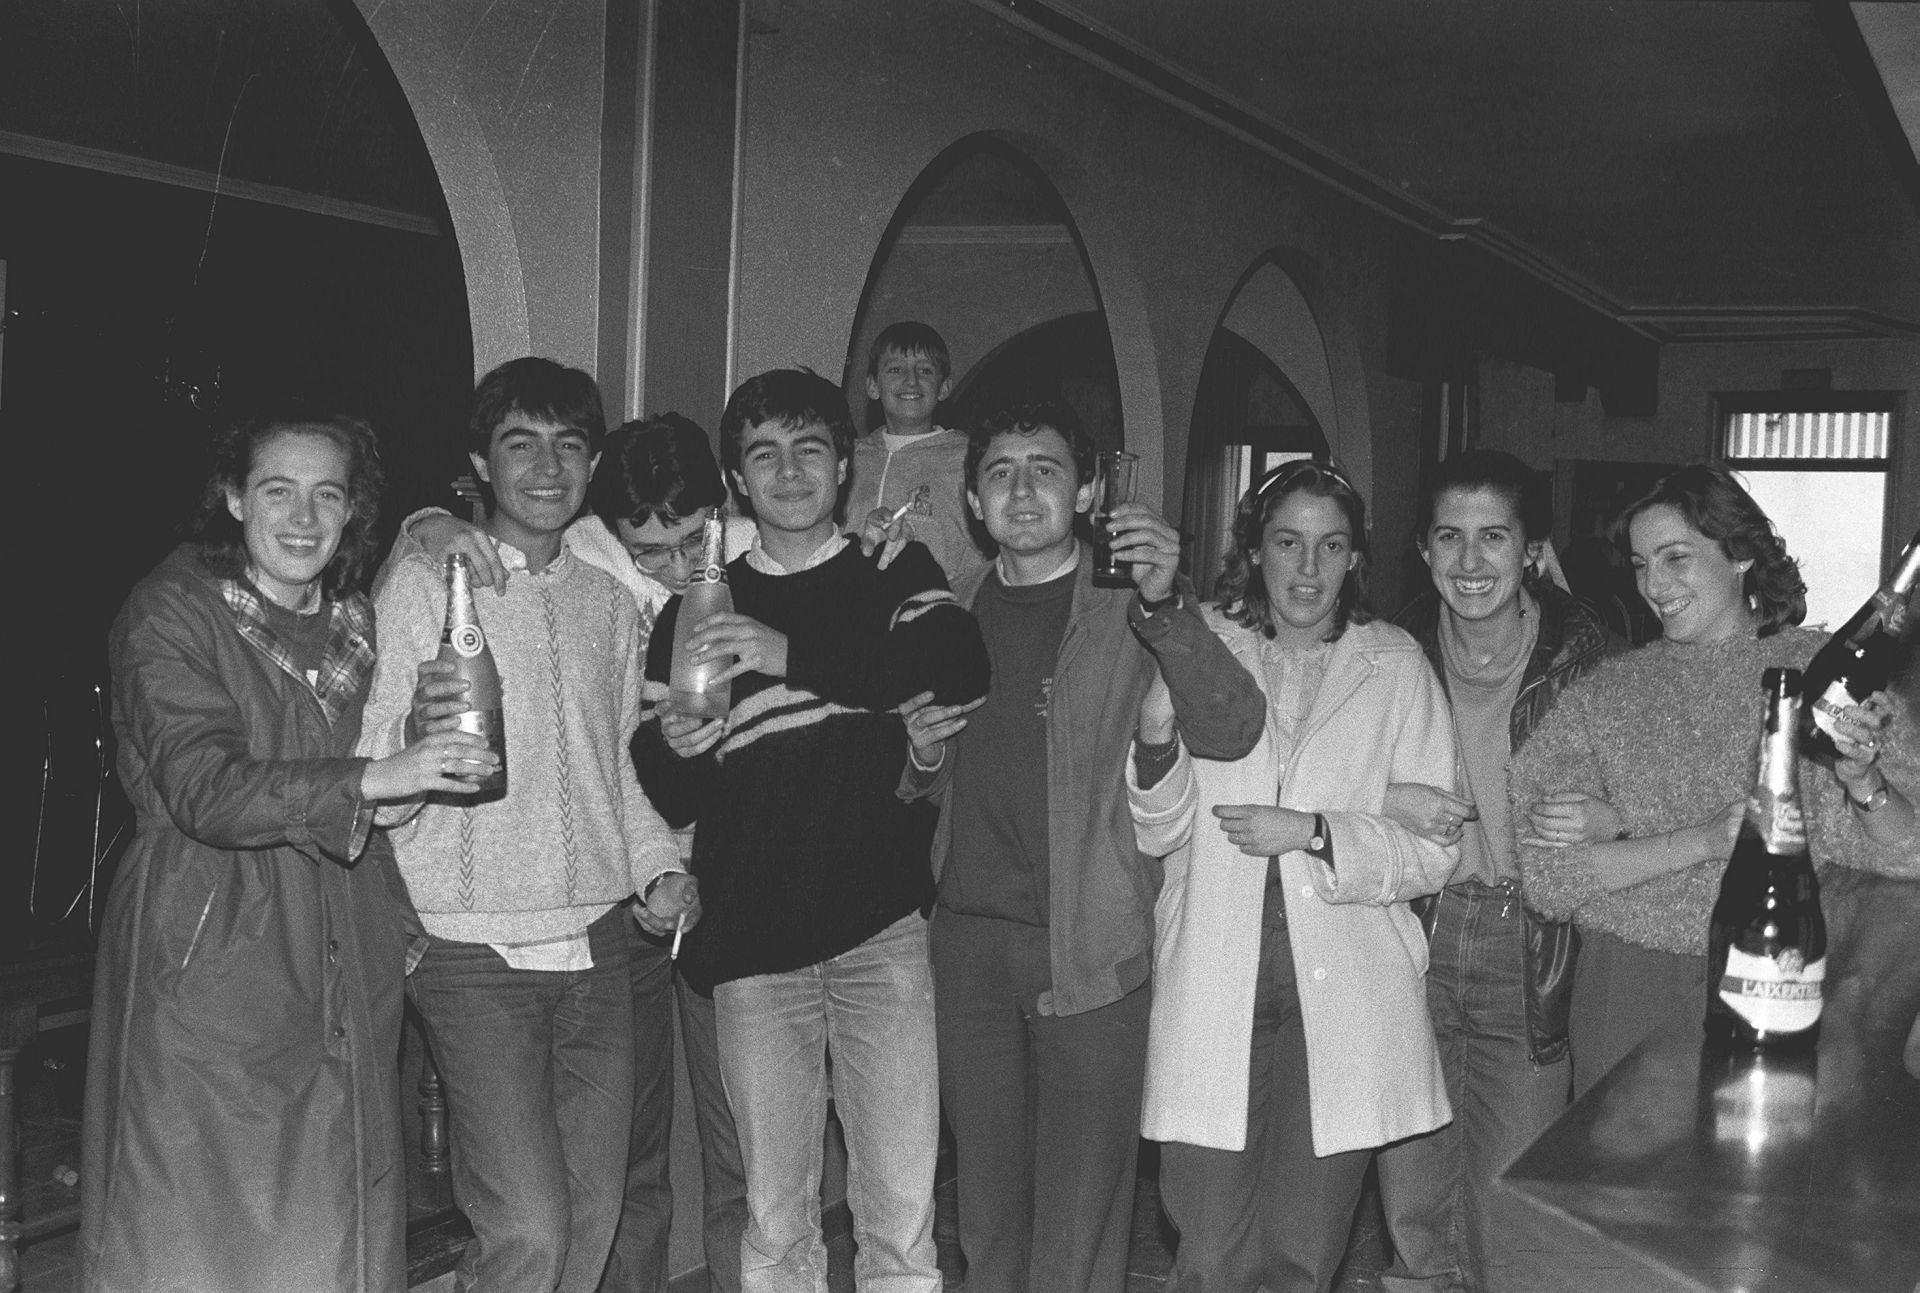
pixel 804 849
pixel 999 865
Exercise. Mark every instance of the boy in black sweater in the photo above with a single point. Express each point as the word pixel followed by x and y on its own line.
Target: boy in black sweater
pixel 813 872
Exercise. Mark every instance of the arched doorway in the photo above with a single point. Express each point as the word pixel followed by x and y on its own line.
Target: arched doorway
pixel 983 248
pixel 1265 396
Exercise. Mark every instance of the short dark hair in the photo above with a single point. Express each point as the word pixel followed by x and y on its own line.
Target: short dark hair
pixel 1241 591
pixel 236 444
pixel 1710 500
pixel 536 388
pixel 1031 419
pixel 909 338
pixel 790 397
pixel 1501 474
pixel 656 469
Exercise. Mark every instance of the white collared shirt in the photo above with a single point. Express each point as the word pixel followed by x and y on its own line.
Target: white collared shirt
pixel 760 559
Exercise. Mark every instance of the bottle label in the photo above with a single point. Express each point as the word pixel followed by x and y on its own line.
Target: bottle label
pixel 467 640
pixel 1775 994
pixel 1830 705
pixel 712 574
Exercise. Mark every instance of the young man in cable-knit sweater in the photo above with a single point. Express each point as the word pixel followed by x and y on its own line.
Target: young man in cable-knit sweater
pixel 813 870
pixel 523 981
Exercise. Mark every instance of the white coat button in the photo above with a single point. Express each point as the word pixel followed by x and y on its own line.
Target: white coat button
pixel 1319 974
pixel 1306 891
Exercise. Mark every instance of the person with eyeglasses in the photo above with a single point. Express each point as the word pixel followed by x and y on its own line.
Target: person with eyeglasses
pixel 646 503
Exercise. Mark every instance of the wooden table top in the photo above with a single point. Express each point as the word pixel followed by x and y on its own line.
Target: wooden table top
pixel 1799 1176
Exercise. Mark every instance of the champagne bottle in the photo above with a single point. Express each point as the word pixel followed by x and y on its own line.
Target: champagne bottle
pixel 691 686
pixel 1858 660
pixel 1767 947
pixel 463 644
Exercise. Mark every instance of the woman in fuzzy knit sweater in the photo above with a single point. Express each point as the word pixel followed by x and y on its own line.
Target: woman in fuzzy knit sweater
pixel 1636 784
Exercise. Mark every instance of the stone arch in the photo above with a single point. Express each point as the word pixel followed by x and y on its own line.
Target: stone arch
pixel 1279 306
pixel 1105 254
pixel 409 38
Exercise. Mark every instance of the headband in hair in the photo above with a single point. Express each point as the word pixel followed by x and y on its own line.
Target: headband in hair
pixel 1298 468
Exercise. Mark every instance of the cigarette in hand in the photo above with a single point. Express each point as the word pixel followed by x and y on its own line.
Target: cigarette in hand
pixel 919 495
pixel 679 932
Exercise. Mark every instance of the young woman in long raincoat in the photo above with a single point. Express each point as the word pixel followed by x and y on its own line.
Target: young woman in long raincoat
pixel 242 1130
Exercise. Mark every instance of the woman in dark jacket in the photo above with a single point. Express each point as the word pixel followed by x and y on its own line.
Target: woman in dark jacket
pixel 1505 644
pixel 241 1130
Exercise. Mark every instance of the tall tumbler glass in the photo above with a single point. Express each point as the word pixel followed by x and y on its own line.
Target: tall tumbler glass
pixel 1113 482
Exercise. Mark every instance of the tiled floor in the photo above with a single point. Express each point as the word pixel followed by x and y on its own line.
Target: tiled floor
pixel 47 1267
pixel 1152 1253
pixel 51 1133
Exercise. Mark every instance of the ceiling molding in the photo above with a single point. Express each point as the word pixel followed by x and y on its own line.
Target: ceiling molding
pixel 1769 324
pixel 993 235
pixel 1092 42
pixel 62 153
pixel 1119 56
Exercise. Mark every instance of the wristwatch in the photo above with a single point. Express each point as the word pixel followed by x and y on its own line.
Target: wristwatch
pixel 1170 601
pixel 1872 803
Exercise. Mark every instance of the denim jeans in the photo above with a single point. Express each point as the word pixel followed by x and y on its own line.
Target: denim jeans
pixel 1274 1216
pixel 538 1071
pixel 1437 1188
pixel 639 1262
pixel 1045 1112
pixel 872 1008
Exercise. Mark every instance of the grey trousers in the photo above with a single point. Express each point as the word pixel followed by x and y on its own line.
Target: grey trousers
pixel 1271 1217
pixel 1045 1111
pixel 639 1261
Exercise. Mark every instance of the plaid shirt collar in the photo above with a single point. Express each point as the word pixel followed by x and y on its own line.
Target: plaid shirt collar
pixel 345 667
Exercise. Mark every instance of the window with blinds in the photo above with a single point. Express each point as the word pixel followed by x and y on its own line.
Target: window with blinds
pixel 1856 435
pixel 1818 463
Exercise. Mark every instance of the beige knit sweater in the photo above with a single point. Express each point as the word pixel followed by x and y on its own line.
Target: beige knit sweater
pixel 575 833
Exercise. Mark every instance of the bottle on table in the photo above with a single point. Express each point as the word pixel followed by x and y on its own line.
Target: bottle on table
pixel 1858 660
pixel 691 685
pixel 1767 946
pixel 463 644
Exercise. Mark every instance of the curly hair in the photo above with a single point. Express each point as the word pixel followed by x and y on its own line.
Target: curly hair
pixel 658 469
pixel 1709 499
pixel 1241 592
pixel 1030 419
pixel 236 445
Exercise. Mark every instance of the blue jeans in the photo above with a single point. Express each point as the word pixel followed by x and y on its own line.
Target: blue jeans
pixel 872 1008
pixel 639 1262
pixel 1437 1188
pixel 538 1070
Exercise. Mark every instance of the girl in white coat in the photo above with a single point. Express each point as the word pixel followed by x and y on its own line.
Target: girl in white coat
pixel 1289 1032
